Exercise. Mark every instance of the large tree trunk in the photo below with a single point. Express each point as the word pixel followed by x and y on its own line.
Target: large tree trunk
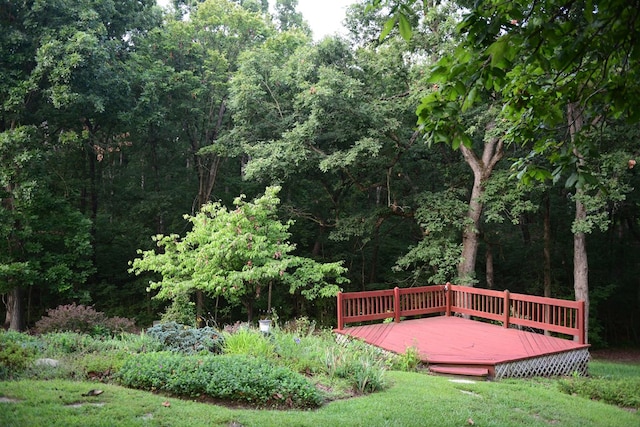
pixel 580 259
pixel 482 169
pixel 14 319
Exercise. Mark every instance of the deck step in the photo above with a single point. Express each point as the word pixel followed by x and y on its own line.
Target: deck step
pixel 459 370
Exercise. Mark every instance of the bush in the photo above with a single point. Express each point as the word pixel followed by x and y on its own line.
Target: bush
pixel 82 319
pixel 185 339
pixel 17 352
pixel 228 377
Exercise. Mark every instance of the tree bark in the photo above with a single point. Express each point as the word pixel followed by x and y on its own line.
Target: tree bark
pixel 489 266
pixel 580 259
pixel 482 169
pixel 14 319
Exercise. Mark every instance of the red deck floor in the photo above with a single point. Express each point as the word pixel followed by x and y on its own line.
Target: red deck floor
pixel 457 341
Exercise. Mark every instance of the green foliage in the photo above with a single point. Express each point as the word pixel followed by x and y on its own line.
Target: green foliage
pixel 409 361
pixel 17 352
pixel 623 392
pixel 361 364
pixel 235 254
pixel 249 342
pixel 181 310
pixel 254 381
pixel 187 339
pixel 435 258
pixel 82 319
pixel 67 343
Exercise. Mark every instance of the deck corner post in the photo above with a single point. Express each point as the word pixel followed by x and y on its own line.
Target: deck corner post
pixel 582 339
pixel 396 304
pixel 447 295
pixel 506 309
pixel 340 314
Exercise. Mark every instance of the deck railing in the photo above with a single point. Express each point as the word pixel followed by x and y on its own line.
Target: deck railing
pixel 548 314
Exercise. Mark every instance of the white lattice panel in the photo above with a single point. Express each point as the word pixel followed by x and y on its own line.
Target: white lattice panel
pixel 566 363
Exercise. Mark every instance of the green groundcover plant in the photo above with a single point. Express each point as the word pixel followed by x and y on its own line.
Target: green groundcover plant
pixel 254 380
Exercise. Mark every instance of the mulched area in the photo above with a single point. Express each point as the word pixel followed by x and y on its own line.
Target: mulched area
pixel 621 355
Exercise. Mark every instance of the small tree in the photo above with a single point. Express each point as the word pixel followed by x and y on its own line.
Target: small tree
pixel 236 254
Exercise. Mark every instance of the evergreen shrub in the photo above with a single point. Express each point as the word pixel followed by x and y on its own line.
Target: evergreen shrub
pixel 251 380
pixel 186 339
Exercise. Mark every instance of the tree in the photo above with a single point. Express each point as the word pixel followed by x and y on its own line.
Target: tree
pixel 237 254
pixel 44 241
pixel 559 64
pixel 61 97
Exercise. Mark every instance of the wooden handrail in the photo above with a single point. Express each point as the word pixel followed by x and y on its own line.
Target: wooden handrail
pixel 549 314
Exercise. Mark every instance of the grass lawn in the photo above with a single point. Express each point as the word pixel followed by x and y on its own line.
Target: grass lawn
pixel 413 399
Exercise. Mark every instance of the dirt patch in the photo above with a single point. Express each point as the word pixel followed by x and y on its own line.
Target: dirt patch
pixel 624 355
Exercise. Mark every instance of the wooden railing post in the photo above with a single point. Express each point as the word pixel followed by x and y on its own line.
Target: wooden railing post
pixel 447 295
pixel 340 314
pixel 396 304
pixel 506 308
pixel 582 339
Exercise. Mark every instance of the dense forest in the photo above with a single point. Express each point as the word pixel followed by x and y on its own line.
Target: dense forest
pixel 489 144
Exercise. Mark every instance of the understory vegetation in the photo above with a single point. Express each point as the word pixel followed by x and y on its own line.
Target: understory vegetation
pixel 295 366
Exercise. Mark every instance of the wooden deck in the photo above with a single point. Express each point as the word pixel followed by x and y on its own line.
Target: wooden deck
pixel 456 345
pixel 451 344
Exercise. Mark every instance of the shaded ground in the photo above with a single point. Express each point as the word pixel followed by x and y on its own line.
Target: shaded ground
pixel 623 355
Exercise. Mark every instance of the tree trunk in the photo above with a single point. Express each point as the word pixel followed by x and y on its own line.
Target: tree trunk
pixel 580 259
pixel 14 319
pixel 581 267
pixel 489 266
pixel 207 168
pixel 482 169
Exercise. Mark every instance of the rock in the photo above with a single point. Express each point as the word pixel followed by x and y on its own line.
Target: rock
pixel 48 362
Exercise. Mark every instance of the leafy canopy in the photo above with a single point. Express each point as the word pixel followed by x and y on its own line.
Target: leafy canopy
pixel 234 253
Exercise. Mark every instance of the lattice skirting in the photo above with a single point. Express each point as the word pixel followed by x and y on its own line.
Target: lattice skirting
pixel 565 363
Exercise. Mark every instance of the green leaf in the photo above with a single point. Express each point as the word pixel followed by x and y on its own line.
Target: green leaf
pixel 469 99
pixel 405 27
pixel 388 26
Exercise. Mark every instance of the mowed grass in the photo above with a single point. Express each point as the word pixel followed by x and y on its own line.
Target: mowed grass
pixel 412 399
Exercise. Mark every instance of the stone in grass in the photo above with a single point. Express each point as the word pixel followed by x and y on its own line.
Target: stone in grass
pixel 47 362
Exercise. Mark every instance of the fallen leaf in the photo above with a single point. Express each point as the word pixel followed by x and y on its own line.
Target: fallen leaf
pixel 166 403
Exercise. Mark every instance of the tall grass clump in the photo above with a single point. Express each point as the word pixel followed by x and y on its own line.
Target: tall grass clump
pixel 249 342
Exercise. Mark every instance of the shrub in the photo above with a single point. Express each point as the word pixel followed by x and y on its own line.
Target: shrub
pixel 228 377
pixel 185 339
pixel 624 392
pixel 82 319
pixel 17 352
pixel 248 342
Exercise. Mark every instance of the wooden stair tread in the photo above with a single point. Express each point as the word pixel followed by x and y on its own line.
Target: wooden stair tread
pixel 459 370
